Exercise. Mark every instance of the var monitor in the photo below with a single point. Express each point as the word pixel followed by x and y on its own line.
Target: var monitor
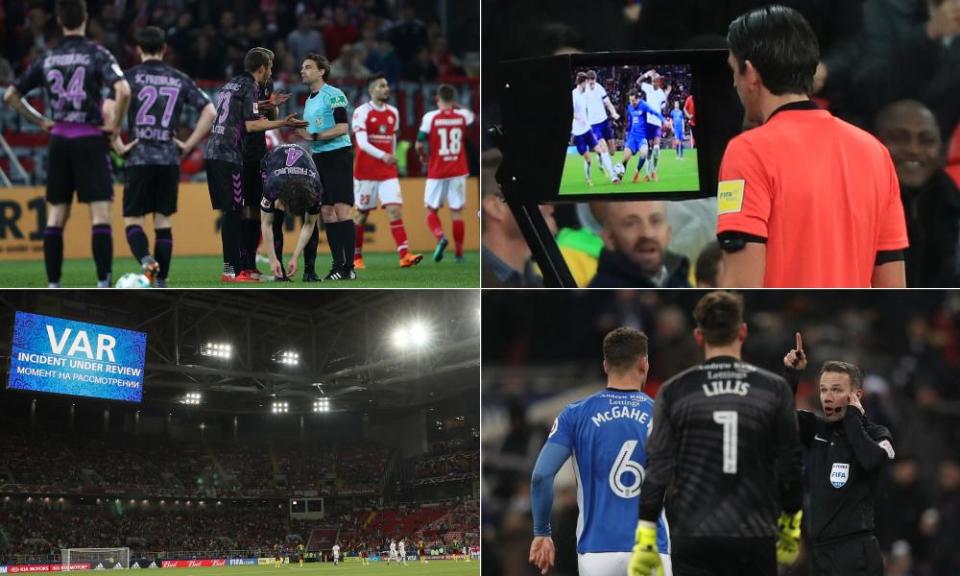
pixel 61 356
pixel 640 125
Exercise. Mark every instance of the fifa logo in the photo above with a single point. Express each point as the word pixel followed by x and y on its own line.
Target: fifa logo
pixel 839 474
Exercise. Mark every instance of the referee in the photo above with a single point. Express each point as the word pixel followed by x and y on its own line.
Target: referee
pixel 326 111
pixel 845 455
pixel 724 452
pixel 805 199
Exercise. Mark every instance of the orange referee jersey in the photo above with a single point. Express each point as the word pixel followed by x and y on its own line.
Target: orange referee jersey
pixel 822 193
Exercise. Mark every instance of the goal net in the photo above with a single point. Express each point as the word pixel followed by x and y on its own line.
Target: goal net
pixel 97 558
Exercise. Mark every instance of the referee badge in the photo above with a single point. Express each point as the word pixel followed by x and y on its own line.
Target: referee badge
pixel 839 474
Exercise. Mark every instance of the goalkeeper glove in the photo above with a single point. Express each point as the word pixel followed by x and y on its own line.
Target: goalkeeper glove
pixel 788 539
pixel 645 557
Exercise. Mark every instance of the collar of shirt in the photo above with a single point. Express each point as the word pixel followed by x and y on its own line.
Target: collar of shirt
pixel 801 105
pixel 504 273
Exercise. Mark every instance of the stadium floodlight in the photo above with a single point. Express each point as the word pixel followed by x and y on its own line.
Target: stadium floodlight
pixel 281 407
pixel 416 335
pixel 216 350
pixel 191 398
pixel 321 405
pixel 288 357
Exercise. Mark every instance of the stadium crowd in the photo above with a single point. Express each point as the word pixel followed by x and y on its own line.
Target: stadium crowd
pixel 887 66
pixel 208 39
pixel 79 464
pixel 907 345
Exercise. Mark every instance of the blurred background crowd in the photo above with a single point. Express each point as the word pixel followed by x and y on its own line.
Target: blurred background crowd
pixel 544 351
pixel 889 66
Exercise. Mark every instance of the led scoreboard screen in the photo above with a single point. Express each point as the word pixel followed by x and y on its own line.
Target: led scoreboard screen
pixel 61 356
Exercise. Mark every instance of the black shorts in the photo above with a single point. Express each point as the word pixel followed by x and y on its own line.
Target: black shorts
pixel 858 555
pixel 252 182
pixel 723 556
pixel 80 164
pixel 336 175
pixel 151 189
pixel 225 183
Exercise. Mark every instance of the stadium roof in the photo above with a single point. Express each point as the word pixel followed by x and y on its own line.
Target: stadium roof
pixel 343 339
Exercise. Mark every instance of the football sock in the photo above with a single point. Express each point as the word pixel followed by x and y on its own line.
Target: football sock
pixel 137 239
pixel 656 156
pixel 433 223
pixel 278 218
pixel 347 236
pixel 399 236
pixel 458 226
pixel 358 241
pixel 607 166
pixel 53 253
pixel 586 169
pixel 251 237
pixel 230 237
pixel 163 250
pixel 102 241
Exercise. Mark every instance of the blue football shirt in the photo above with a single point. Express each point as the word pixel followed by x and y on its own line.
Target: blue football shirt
pixel 607 434
pixel 318 111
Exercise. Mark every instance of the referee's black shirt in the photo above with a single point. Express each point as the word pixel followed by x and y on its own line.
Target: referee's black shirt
pixel 842 465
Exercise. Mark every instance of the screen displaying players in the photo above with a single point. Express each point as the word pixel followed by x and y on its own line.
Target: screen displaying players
pixel 631 131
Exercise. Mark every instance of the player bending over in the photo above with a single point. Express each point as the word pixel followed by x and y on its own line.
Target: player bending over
pixel 445 131
pixel 291 184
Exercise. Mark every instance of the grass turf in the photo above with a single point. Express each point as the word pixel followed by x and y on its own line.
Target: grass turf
pixel 674 174
pixel 351 567
pixel 382 271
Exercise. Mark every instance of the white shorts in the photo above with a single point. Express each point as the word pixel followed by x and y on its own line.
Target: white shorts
pixel 367 192
pixel 613 564
pixel 453 190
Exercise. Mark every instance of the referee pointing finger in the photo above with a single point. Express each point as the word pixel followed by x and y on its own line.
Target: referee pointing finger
pixel 805 199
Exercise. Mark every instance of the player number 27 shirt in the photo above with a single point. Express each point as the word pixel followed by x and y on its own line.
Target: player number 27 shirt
pixel 380 127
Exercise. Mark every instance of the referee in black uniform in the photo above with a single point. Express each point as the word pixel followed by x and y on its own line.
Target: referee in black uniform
pixel 844 455
pixel 724 453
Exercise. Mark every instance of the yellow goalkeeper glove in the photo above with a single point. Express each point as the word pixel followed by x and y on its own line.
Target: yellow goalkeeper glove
pixel 788 539
pixel 645 558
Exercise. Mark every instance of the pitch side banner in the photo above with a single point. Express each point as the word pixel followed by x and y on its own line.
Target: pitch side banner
pixel 242 562
pixel 61 356
pixel 193 563
pixel 16 569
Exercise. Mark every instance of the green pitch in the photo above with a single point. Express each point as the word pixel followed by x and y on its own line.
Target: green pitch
pixel 674 174
pixel 350 567
pixel 204 272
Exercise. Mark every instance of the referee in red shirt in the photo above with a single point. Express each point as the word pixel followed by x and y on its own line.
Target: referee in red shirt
pixel 805 199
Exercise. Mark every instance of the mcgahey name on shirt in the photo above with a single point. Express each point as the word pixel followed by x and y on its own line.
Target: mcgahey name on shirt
pixel 618 412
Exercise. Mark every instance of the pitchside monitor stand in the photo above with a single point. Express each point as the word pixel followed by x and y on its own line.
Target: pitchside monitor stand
pixel 539 102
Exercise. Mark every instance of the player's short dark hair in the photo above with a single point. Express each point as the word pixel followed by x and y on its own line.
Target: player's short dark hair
pixel 581 78
pixel 623 347
pixel 297 195
pixel 150 39
pixel 376 78
pixel 447 93
pixel 321 62
pixel 71 13
pixel 781 46
pixel 591 75
pixel 719 315
pixel 257 57
pixel 851 370
pixel 633 92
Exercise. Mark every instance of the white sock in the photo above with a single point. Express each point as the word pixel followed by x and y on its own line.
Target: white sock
pixel 656 156
pixel 607 165
pixel 586 168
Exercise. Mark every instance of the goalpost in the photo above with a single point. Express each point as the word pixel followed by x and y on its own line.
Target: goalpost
pixel 106 558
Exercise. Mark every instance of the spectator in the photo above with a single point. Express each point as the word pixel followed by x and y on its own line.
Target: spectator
pixel 504 254
pixel 910 50
pixel 421 69
pixel 709 266
pixel 447 64
pixel 931 199
pixel 636 236
pixel 384 61
pixel 348 66
pixel 305 38
pixel 339 33
pixel 409 34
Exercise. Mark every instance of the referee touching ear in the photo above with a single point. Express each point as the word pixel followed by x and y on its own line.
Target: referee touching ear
pixel 805 199
pixel 844 457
